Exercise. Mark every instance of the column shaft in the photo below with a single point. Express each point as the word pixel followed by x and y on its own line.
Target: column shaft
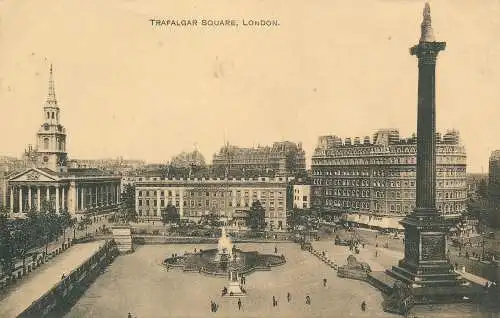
pixel 57 199
pixel 63 198
pixel 29 198
pixel 38 193
pixel 20 199
pixel 11 199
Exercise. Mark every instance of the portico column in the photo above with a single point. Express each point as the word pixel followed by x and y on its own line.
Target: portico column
pixel 118 199
pixel 38 198
pixel 11 199
pixel 47 198
pixel 63 198
pixel 20 199
pixel 29 197
pixel 57 199
pixel 81 198
pixel 96 195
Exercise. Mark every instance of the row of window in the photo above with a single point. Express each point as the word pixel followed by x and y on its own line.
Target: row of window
pixel 390 194
pixel 381 206
pixel 239 193
pixel 199 213
pixel 206 203
pixel 443 172
pixel 297 197
pixel 385 161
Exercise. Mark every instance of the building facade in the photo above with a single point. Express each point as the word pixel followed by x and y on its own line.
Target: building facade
pixel 302 196
pixel 49 180
pixel 226 198
pixel 494 188
pixel 373 183
pixel 281 159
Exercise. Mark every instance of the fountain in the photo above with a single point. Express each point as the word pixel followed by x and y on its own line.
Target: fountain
pixel 224 261
pixel 224 247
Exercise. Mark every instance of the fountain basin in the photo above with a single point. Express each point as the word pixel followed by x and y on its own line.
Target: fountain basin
pixel 211 262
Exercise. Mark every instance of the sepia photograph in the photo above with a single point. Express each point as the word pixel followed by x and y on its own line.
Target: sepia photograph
pixel 196 158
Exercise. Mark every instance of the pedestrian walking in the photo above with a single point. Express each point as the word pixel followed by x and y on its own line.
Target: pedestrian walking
pixel 274 301
pixel 129 315
pixel 363 306
pixel 239 304
pixel 288 297
pixel 308 300
pixel 324 282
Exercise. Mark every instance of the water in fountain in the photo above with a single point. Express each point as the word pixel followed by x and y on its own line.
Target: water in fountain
pixel 225 246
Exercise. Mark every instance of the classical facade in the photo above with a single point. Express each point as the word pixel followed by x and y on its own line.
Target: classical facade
pixel 226 198
pixel 48 179
pixel 373 181
pixel 281 159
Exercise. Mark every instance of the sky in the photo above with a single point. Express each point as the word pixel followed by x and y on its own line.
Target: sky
pixel 341 67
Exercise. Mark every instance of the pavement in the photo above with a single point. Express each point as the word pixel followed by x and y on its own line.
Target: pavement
pixel 40 281
pixel 138 283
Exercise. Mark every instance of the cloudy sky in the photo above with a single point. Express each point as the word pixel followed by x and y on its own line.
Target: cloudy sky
pixel 340 67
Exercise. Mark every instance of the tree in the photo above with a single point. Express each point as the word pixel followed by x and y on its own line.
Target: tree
pixel 65 221
pixel 256 216
pixel 170 215
pixel 211 219
pixel 48 220
pixel 128 213
pixel 7 252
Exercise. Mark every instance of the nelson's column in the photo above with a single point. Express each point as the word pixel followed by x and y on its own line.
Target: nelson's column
pixel 425 267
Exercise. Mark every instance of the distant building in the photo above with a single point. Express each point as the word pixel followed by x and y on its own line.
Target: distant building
pixel 494 187
pixel 474 182
pixel 373 183
pixel 302 196
pixel 188 159
pixel 226 198
pixel 281 159
pixel 118 165
pixel 48 178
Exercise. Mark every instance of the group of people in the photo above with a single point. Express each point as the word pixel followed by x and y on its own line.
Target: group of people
pixel 214 306
pixel 289 298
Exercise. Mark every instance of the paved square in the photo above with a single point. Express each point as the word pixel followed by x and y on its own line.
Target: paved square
pixel 139 284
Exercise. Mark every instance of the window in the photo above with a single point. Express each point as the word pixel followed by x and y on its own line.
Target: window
pixel 304 198
pixel 45 143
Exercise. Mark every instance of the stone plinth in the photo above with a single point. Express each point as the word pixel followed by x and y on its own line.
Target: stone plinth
pixel 123 238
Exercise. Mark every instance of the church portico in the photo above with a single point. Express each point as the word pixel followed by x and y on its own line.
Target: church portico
pixel 50 182
pixel 31 196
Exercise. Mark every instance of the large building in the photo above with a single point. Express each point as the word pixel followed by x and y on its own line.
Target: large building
pixel 373 182
pixel 226 198
pixel 494 188
pixel 79 191
pixel 281 159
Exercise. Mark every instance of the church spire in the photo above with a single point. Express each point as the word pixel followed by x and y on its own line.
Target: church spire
pixel 426 27
pixel 51 97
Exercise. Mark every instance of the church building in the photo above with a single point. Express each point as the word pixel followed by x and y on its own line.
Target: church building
pixel 48 178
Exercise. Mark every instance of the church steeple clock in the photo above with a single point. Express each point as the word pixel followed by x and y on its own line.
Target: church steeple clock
pixel 51 137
